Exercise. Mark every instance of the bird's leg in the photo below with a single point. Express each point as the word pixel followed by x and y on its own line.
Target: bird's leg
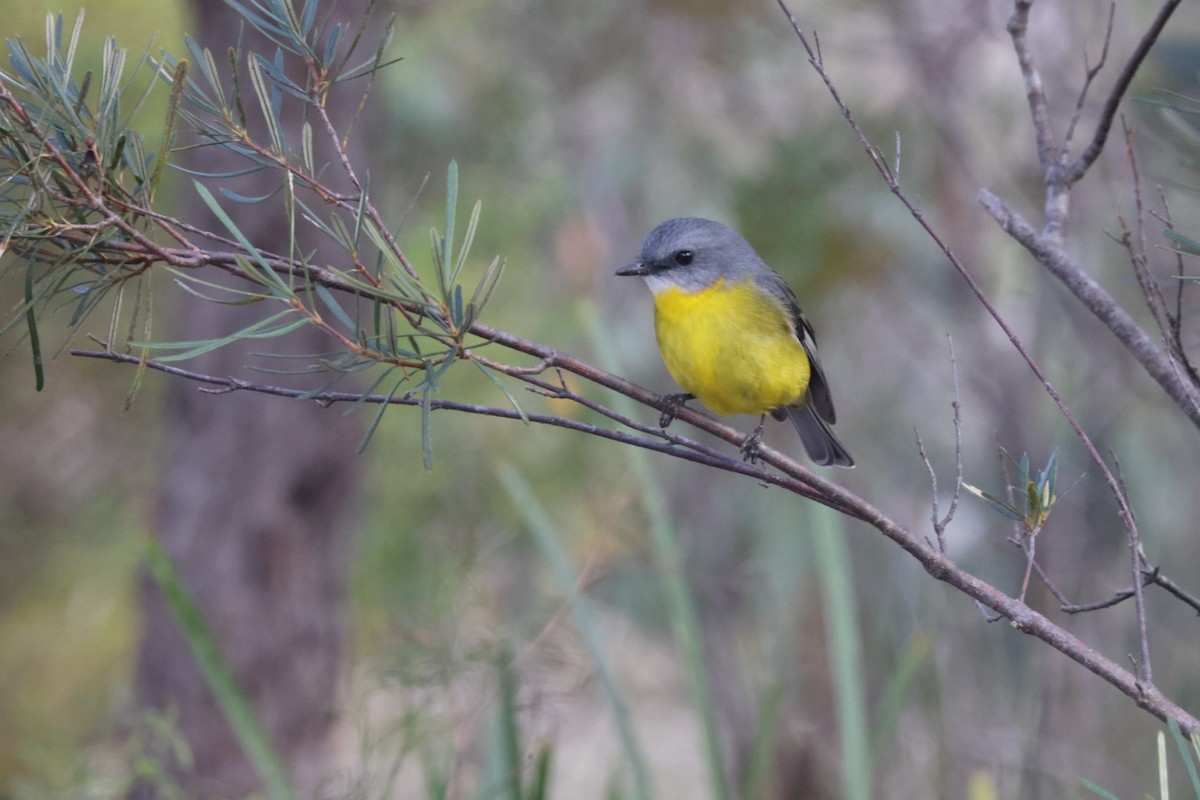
pixel 672 403
pixel 753 442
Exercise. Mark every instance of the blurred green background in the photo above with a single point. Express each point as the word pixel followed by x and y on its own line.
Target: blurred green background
pixel 580 126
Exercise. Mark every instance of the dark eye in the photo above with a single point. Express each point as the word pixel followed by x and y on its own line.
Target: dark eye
pixel 683 257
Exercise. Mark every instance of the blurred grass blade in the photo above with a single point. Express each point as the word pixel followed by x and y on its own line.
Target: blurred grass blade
pixel 1096 790
pixel 539 786
pixel 845 655
pixel 1164 782
pixel 668 556
pixel 550 545
pixel 502 761
pixel 217 674
pixel 1185 752
pixel 762 749
pixel 916 657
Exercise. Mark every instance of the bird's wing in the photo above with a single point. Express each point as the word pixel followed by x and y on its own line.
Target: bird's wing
pixel 818 386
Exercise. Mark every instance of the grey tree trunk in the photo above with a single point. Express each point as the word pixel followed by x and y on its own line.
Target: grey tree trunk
pixel 255 509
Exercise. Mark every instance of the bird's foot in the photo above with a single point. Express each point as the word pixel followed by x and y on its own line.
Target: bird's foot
pixel 672 403
pixel 751 446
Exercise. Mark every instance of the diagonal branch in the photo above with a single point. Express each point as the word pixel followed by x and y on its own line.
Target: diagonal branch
pixel 1050 254
pixel 1108 115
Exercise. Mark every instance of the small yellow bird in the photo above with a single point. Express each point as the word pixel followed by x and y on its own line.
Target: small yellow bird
pixel 732 334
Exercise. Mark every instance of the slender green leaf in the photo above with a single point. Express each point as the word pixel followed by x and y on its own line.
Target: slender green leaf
pixel 331 44
pixel 35 346
pixel 468 240
pixel 1190 245
pixel 427 428
pixel 263 329
pixel 307 16
pixel 366 438
pixel 306 148
pixel 447 249
pixel 267 276
pixel 255 67
pixel 500 385
pixel 1096 790
pixel 332 304
pixel 996 503
pixel 1185 752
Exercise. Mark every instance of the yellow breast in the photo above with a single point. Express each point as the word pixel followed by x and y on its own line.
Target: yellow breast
pixel 732 346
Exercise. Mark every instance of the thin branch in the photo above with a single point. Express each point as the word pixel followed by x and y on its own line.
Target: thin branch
pixel 1090 75
pixel 1049 584
pixel 1051 255
pixel 958 457
pixel 934 514
pixel 1135 246
pixel 1071 174
pixel 671 444
pixel 1035 93
pixel 1175 590
pixel 1175 317
pixel 941 523
pixel 1029 546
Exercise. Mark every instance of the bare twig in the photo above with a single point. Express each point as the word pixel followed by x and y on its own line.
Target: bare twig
pixel 1135 245
pixel 941 523
pixel 1035 93
pixel 1090 75
pixel 1029 546
pixel 1071 174
pixel 1175 317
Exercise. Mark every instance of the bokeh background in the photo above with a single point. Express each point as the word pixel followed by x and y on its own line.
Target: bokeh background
pixel 579 127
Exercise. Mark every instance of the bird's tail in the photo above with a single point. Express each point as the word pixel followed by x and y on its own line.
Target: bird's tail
pixel 818 439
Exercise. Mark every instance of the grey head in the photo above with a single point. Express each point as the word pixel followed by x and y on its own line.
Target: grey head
pixel 692 253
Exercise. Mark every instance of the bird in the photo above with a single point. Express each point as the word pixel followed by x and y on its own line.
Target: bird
pixel 732 334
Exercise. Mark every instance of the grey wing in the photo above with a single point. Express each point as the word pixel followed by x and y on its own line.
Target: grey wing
pixel 818 387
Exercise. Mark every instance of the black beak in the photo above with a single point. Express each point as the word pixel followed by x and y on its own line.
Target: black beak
pixel 633 269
